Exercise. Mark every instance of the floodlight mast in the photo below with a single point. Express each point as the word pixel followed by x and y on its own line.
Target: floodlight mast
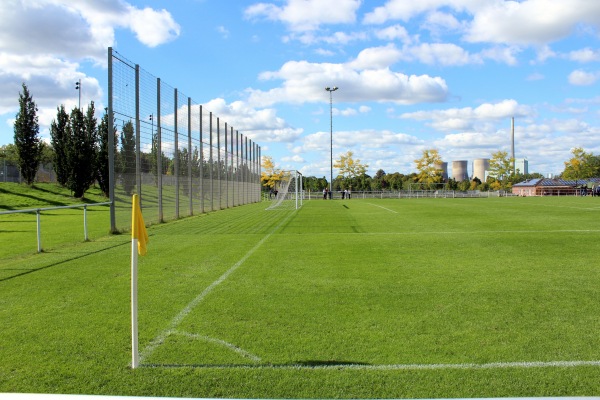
pixel 331 90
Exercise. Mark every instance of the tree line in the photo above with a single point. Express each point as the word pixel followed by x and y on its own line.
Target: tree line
pixel 352 176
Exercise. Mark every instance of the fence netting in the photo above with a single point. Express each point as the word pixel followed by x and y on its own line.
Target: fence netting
pixel 180 158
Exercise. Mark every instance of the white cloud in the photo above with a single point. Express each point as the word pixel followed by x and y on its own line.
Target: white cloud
pixel 366 78
pixel 223 31
pixel 544 53
pixel 536 76
pixel 152 27
pixel 293 159
pixel 257 124
pixel 376 58
pixel 324 52
pixel 439 22
pixel 336 38
pixel 531 21
pixel 441 54
pixel 405 10
pixel 468 118
pixel 394 32
pixel 503 54
pixel 526 22
pixel 584 55
pixel 583 78
pixel 306 15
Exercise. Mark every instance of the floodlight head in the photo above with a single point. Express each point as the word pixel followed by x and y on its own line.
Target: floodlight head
pixel 331 89
pixel 327 88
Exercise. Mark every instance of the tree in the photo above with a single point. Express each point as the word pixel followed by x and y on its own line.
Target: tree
pixel 128 158
pixel 428 167
pixel 102 166
pixel 9 153
pixel 270 175
pixel 501 169
pixel 580 166
pixel 59 140
pixel 349 168
pixel 82 151
pixel 379 182
pixel 26 137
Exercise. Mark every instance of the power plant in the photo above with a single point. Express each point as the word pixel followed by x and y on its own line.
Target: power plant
pixel 460 171
pixel 480 166
pixel 443 166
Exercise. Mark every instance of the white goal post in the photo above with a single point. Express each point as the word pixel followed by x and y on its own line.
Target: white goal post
pixel 289 192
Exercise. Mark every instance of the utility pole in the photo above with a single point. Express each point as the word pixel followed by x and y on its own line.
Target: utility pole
pixel 331 90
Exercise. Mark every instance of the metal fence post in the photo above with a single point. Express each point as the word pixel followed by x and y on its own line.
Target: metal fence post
pixel 210 162
pixel 232 169
pixel 159 166
pixel 176 155
pixel 111 144
pixel 138 155
pixel 39 231
pixel 226 170
pixel 201 166
pixel 190 158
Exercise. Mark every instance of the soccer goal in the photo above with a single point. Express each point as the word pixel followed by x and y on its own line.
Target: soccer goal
pixel 289 193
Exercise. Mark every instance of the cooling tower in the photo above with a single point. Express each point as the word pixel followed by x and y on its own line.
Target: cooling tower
pixel 443 166
pixel 459 170
pixel 480 165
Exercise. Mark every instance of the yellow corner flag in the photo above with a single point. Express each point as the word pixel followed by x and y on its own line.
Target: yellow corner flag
pixel 138 228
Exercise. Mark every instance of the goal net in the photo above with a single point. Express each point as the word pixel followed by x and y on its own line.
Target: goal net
pixel 288 193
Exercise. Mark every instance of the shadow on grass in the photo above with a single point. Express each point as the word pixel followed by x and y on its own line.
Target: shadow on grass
pixel 40 200
pixel 298 364
pixel 26 271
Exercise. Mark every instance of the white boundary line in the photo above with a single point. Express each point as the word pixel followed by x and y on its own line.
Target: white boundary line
pixel 496 365
pixel 463 232
pixel 171 329
pixel 230 346
pixel 387 209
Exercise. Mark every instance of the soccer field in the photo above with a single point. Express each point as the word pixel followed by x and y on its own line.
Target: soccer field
pixel 368 298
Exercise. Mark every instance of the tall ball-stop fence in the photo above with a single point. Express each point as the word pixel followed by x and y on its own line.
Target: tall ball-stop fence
pixel 178 157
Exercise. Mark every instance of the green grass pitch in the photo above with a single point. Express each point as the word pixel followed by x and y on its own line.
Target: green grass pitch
pixel 363 298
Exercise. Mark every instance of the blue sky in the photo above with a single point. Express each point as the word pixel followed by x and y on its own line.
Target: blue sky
pixel 412 75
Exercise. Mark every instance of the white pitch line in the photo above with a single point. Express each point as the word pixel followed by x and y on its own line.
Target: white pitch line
pixel 462 232
pixel 230 346
pixel 496 365
pixel 387 209
pixel 158 340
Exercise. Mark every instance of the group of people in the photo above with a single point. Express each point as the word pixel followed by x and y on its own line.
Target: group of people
pixel 327 193
pixel 595 191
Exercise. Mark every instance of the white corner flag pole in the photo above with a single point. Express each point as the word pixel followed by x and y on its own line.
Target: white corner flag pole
pixel 139 239
pixel 135 358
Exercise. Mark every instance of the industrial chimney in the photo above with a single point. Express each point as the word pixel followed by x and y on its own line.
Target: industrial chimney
pixel 512 146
